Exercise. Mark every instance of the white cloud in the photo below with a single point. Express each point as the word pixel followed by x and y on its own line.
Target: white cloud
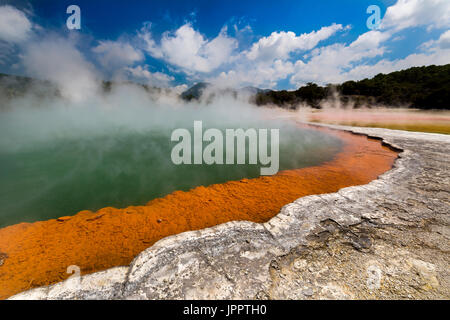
pixel 142 74
pixel 280 44
pixel 443 42
pixel 328 64
pixel 268 60
pixel 149 44
pixel 116 54
pixel 14 25
pixel 413 13
pixel 265 75
pixel 189 50
pixel 337 63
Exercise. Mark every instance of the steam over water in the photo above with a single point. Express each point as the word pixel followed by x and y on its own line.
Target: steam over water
pixel 59 156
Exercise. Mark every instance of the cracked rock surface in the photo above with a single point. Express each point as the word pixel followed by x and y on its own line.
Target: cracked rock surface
pixel 388 239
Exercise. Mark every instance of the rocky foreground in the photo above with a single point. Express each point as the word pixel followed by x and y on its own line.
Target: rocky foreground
pixel 388 239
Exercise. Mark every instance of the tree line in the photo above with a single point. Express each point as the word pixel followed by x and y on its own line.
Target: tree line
pixel 417 87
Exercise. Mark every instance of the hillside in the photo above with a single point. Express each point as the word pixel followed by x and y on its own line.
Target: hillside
pixel 417 87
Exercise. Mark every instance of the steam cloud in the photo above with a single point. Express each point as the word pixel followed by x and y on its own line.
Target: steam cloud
pixel 91 146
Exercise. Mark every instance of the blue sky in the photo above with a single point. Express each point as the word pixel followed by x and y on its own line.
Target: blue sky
pixel 270 44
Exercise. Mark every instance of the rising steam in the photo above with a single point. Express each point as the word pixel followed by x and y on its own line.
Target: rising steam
pixel 89 146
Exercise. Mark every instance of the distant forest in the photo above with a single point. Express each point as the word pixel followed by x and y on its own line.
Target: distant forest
pixel 418 87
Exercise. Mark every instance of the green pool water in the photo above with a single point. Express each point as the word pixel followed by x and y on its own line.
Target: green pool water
pixel 66 171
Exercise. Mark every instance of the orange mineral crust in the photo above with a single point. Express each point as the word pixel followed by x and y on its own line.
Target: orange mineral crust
pixel 39 253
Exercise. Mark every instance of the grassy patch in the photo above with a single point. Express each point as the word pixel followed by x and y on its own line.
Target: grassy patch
pixel 418 127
